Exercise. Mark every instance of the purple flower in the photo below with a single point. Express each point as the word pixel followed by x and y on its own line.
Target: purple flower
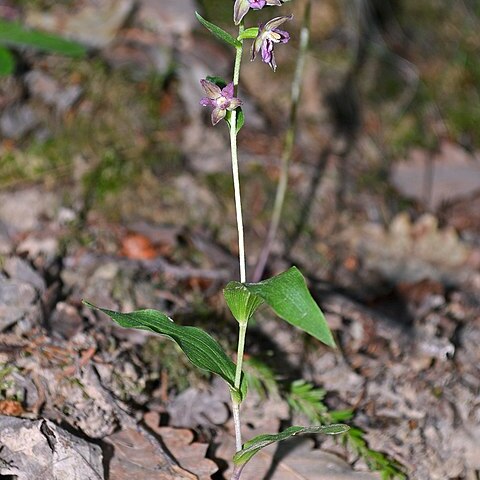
pixel 268 35
pixel 220 99
pixel 241 7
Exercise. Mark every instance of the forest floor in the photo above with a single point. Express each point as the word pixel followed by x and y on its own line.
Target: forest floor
pixel 115 188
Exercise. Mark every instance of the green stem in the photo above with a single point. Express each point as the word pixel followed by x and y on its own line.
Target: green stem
pixel 237 424
pixel 238 58
pixel 241 243
pixel 238 378
pixel 236 177
pixel 238 197
pixel 241 345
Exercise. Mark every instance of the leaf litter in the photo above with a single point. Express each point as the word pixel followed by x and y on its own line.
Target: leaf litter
pixel 63 365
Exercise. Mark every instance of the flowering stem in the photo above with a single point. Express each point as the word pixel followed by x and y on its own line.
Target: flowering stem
pixel 241 345
pixel 238 58
pixel 236 177
pixel 241 242
pixel 237 471
pixel 238 198
pixel 238 378
pixel 287 149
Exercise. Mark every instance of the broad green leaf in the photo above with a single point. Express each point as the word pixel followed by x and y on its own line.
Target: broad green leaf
pixel 7 62
pixel 200 348
pixel 13 33
pixel 254 445
pixel 240 301
pixel 248 33
pixel 287 294
pixel 218 32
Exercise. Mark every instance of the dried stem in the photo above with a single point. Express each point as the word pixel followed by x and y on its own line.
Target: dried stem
pixel 288 148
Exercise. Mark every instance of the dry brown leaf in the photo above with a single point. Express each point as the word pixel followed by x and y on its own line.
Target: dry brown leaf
pixel 136 456
pixel 464 214
pixel 449 174
pixel 138 247
pixel 410 251
pixel 194 407
pixel 190 456
pixel 11 408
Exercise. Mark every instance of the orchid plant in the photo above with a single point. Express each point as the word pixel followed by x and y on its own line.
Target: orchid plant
pixel 286 294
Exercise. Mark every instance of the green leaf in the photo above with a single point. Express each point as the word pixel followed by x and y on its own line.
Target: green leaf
pixel 13 33
pixel 7 62
pixel 304 397
pixel 261 378
pixel 288 296
pixel 248 33
pixel 254 445
pixel 240 301
pixel 240 118
pixel 200 348
pixel 341 415
pixel 219 32
pixel 219 81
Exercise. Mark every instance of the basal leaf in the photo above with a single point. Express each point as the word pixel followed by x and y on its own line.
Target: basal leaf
pixel 13 33
pixel 219 32
pixel 7 62
pixel 240 301
pixel 287 294
pixel 200 348
pixel 254 445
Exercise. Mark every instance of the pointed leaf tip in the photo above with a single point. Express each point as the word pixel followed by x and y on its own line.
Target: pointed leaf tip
pixel 288 296
pixel 199 347
pixel 253 446
pixel 218 32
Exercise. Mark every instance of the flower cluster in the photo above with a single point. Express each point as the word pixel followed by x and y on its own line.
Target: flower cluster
pixel 267 35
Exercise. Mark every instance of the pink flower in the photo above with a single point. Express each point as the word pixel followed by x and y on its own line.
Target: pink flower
pixel 220 99
pixel 241 7
pixel 268 35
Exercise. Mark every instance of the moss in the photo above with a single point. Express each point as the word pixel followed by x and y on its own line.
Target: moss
pixel 110 138
pixel 8 387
